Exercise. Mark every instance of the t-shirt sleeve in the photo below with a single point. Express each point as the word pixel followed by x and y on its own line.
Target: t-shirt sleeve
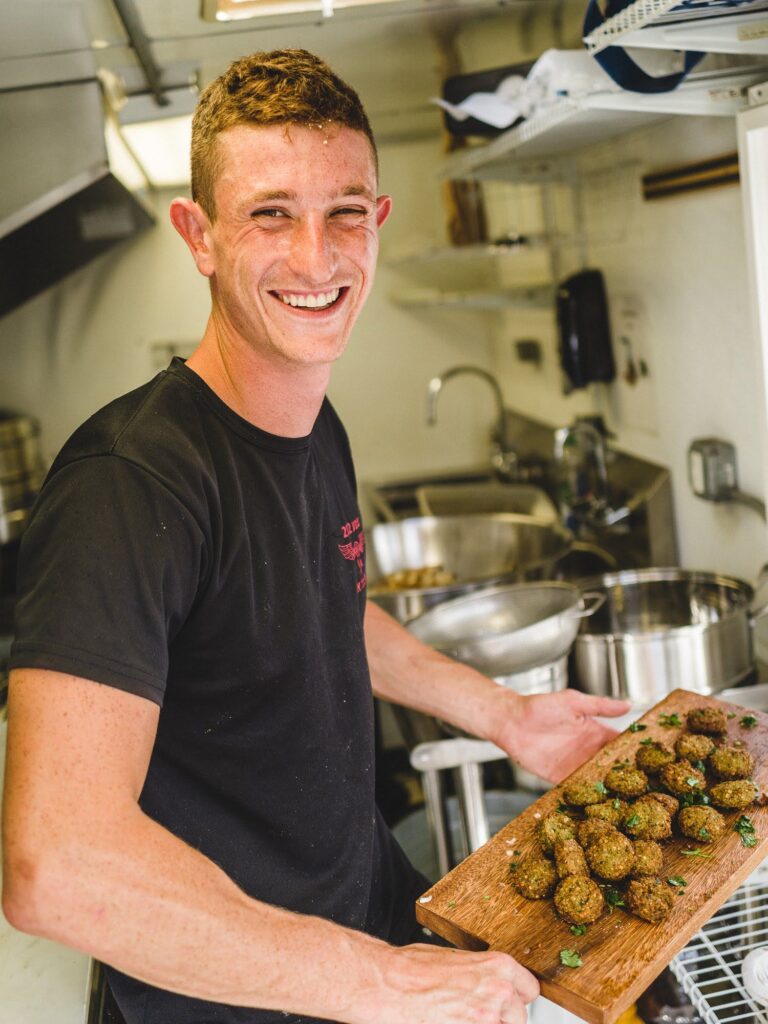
pixel 109 567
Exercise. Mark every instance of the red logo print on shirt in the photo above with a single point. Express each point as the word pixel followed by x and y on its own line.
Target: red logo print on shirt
pixel 354 550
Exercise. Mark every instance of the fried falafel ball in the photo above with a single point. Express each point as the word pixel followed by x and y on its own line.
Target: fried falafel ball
pixel 734 796
pixel 647 820
pixel 649 898
pixel 582 794
pixel 569 859
pixel 681 778
pixel 694 747
pixel 648 858
pixel 579 900
pixel 555 826
pixel 609 810
pixel 651 757
pixel 670 803
pixel 708 721
pixel 612 857
pixel 588 831
pixel 626 780
pixel 535 878
pixel 732 763
pixel 704 824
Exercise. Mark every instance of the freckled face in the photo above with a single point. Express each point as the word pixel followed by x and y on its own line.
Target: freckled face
pixel 294 244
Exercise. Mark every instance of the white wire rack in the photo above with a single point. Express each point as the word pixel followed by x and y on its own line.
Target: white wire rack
pixel 709 968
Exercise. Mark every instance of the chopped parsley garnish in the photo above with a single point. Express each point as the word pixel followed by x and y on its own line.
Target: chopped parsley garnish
pixel 748 721
pixel 699 766
pixel 563 808
pixel 677 881
pixel 570 958
pixel 731 714
pixel 697 853
pixel 451 903
pixel 637 727
pixel 704 833
pixel 616 804
pixel 486 897
pixel 600 787
pixel 514 865
pixel 670 720
pixel 613 899
pixel 689 799
pixel 746 831
pixel 647 742
pixel 578 929
pixel 632 821
pixel 693 782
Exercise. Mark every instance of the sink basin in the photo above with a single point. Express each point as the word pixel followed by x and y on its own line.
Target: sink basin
pixel 482 497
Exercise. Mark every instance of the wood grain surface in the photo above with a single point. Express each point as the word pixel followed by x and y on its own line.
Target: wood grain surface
pixel 475 906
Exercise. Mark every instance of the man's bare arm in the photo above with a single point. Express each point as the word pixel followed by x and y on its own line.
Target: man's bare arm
pixel 85 866
pixel 549 734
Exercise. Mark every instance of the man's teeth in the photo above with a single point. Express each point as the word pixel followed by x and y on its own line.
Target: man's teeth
pixel 319 301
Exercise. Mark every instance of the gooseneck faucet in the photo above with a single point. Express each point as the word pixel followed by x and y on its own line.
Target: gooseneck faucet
pixel 503 455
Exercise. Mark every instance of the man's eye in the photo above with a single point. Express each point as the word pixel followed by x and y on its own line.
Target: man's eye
pixel 354 211
pixel 268 212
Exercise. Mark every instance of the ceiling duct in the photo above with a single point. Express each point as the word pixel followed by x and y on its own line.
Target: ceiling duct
pixel 61 204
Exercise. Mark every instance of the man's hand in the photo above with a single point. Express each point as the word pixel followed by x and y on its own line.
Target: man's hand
pixel 551 734
pixel 435 985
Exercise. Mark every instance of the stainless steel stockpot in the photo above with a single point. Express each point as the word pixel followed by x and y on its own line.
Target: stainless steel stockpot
pixel 665 628
pixel 480 551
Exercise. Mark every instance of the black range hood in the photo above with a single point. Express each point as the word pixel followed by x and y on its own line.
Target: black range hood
pixel 61 204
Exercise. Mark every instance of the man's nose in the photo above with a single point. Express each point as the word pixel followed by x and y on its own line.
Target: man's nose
pixel 313 253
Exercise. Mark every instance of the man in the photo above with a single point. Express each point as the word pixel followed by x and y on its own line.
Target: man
pixel 189 790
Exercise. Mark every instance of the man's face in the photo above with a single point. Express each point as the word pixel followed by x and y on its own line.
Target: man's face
pixel 294 244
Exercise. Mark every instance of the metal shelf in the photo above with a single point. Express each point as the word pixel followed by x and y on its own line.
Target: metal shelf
pixel 695 20
pixel 709 968
pixel 573 124
pixel 490 300
pixel 737 33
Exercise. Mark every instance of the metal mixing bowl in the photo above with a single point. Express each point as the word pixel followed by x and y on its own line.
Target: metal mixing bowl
pixel 479 550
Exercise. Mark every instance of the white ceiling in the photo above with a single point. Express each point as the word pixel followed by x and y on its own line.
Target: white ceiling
pixel 387 52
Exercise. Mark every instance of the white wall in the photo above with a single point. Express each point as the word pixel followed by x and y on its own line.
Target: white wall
pixel 69 351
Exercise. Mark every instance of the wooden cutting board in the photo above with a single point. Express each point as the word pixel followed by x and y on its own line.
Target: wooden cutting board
pixel 475 906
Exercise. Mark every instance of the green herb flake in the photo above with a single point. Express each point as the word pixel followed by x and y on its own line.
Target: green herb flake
pixel 677 881
pixel 563 808
pixel 731 714
pixel 578 929
pixel 693 782
pixel 699 766
pixel 632 821
pixel 647 742
pixel 600 787
pixel 637 727
pixel 697 853
pixel 451 903
pixel 746 831
pixel 670 720
pixel 486 897
pixel 704 833
pixel 748 721
pixel 616 804
pixel 570 958
pixel 613 899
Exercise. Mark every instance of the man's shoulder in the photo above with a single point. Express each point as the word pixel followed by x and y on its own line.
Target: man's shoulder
pixel 143 426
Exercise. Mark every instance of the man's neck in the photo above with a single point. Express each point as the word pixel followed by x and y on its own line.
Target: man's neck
pixel 281 398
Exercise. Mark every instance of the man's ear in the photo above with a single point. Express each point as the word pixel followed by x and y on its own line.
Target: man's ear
pixel 383 209
pixel 194 227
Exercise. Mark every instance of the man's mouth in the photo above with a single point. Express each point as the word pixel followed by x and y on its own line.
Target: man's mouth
pixel 311 300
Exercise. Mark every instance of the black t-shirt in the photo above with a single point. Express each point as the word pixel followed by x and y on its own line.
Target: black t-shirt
pixel 182 554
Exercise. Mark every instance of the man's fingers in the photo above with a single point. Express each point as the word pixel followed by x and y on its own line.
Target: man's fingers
pixel 514 1012
pixel 607 707
pixel 526 984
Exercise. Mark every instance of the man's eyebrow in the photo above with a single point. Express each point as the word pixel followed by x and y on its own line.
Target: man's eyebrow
pixel 266 197
pixel 359 190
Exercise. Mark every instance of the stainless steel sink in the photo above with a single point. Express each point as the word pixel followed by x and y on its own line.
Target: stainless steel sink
pixel 642 533
pixel 479 498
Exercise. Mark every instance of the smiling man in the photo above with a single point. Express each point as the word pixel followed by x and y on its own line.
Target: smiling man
pixel 189 788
